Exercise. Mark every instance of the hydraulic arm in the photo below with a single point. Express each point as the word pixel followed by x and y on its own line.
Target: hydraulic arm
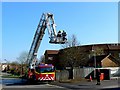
pixel 46 21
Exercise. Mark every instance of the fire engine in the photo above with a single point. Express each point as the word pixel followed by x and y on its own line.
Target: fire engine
pixel 43 72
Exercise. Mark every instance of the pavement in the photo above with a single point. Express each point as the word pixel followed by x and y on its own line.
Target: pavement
pixel 105 84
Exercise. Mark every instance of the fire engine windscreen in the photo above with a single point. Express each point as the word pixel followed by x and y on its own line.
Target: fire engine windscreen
pixel 44 69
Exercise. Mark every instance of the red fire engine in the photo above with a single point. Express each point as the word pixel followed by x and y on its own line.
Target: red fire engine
pixel 43 72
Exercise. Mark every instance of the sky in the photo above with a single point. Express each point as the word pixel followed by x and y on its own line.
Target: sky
pixel 91 22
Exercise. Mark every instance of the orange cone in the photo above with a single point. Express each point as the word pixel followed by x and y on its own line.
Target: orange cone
pixel 90 78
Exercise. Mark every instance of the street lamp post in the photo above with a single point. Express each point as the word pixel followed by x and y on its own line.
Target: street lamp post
pixel 94 54
pixel 94 58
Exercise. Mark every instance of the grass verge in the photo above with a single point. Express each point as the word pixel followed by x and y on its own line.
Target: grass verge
pixel 11 76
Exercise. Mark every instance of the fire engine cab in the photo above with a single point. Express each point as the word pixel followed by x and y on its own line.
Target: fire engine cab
pixel 45 72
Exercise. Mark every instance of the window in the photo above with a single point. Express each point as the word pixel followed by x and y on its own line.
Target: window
pixel 50 58
pixel 119 54
pixel 45 69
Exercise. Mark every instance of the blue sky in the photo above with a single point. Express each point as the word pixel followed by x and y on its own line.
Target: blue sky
pixel 91 22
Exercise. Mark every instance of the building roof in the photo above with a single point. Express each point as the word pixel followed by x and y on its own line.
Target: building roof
pixel 98 58
pixel 114 59
pixel 101 57
pixel 51 51
pixel 112 46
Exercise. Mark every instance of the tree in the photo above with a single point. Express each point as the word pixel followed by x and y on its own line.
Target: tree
pixel 14 63
pixel 23 57
pixel 97 52
pixel 14 67
pixel 71 42
pixel 73 57
pixel 22 61
pixel 42 59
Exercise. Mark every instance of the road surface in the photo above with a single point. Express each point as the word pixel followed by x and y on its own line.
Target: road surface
pixel 17 84
pixel 20 84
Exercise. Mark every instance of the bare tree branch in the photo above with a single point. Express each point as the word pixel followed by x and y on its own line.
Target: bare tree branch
pixel 23 57
pixel 42 59
pixel 72 41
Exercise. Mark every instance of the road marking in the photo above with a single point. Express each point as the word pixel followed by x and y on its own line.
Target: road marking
pixel 112 86
pixel 54 86
pixel 34 86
